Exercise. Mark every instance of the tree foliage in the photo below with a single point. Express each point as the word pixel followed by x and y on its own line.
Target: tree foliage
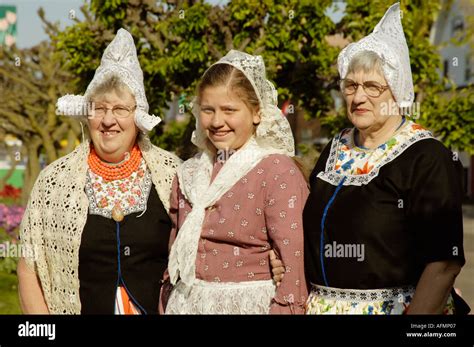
pixel 31 80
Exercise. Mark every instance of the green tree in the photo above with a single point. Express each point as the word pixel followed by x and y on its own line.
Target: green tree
pixel 31 80
pixel 178 40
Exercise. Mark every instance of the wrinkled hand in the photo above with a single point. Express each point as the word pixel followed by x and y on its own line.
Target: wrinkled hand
pixel 278 269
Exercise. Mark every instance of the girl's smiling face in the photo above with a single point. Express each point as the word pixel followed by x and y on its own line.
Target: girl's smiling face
pixel 226 119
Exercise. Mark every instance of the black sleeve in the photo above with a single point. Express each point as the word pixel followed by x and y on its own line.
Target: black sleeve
pixel 435 203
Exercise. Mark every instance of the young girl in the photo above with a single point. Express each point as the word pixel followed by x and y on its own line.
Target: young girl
pixel 241 196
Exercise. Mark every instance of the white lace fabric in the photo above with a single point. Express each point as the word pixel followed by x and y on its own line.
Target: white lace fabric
pixel 389 43
pixel 119 59
pixel 253 297
pixel 57 212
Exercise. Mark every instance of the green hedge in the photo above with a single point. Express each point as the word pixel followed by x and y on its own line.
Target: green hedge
pixel 9 301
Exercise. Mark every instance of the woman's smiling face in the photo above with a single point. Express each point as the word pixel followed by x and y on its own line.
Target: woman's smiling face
pixel 113 136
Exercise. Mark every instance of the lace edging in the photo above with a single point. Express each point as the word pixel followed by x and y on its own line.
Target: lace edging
pixel 332 177
pixel 361 294
pixel 221 298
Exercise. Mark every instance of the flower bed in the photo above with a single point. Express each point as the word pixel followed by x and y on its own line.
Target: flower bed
pixel 10 218
pixel 10 192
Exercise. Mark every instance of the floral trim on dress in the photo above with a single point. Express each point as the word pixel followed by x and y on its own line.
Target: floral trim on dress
pixel 359 165
pixel 327 300
pixel 131 193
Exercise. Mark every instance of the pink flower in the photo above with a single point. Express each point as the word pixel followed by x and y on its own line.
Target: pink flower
pixel 10 218
pixel 103 202
pixel 9 40
pixel 123 187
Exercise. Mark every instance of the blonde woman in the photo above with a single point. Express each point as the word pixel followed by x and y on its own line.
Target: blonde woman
pixel 241 196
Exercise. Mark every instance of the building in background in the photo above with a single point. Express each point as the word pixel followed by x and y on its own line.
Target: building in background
pixel 454 24
pixel 8 20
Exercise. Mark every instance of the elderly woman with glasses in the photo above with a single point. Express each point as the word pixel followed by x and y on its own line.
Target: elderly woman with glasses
pixel 383 222
pixel 97 221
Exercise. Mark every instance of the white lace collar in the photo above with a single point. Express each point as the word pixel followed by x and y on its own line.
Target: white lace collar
pixel 195 183
pixel 343 144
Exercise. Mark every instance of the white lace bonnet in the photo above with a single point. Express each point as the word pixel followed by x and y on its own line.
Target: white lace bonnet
pixel 274 131
pixel 119 59
pixel 389 43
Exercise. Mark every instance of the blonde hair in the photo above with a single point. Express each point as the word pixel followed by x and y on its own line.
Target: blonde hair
pixel 229 76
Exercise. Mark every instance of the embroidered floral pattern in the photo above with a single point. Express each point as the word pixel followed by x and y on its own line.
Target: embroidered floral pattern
pixel 359 165
pixel 131 193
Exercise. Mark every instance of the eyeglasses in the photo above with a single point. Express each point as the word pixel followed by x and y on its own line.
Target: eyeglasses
pixel 119 111
pixel 371 88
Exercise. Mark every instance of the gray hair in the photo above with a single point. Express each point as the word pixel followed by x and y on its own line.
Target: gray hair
pixel 113 83
pixel 367 61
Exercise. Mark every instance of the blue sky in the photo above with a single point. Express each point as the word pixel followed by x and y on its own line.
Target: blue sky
pixel 30 29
